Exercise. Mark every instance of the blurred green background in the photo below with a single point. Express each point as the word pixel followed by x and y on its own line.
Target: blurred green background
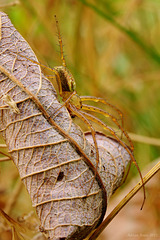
pixel 113 50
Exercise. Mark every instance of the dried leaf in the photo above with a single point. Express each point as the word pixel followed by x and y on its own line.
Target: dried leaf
pixel 56 162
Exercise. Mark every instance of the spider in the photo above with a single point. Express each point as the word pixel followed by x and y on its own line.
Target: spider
pixel 74 103
pixel 77 107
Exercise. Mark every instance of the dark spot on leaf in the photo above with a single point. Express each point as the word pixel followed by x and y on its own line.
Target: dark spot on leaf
pixel 42 229
pixel 108 153
pixel 45 179
pixel 60 176
pixel 92 153
pixel 73 116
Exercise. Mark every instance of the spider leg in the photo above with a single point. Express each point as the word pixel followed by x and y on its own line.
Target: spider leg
pixel 45 67
pixel 128 170
pixel 105 102
pixel 99 122
pixel 60 42
pixel 33 61
pixel 106 114
pixel 64 104
pixel 78 113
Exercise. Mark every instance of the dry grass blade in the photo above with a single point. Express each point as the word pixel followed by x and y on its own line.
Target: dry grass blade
pixel 124 201
pixel 3 146
pixel 145 139
pixel 3 159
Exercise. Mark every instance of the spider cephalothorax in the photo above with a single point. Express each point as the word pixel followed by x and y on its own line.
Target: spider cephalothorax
pixel 67 86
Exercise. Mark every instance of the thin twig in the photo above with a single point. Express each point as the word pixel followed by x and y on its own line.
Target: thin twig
pixel 124 201
pixel 3 146
pixel 3 159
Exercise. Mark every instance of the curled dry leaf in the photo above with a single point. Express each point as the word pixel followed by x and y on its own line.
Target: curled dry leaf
pixel 56 161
